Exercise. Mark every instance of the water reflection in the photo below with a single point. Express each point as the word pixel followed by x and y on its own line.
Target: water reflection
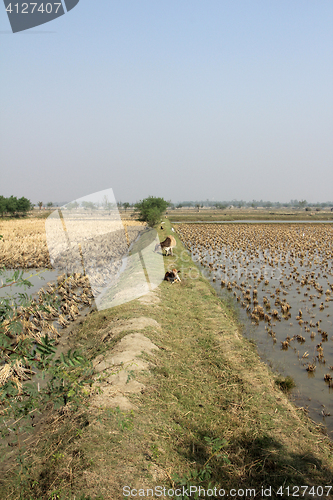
pixel 38 277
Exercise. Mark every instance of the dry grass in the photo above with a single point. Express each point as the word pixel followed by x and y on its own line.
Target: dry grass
pixel 210 215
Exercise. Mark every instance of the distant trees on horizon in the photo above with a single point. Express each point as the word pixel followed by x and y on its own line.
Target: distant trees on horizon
pixel 14 206
pixel 253 204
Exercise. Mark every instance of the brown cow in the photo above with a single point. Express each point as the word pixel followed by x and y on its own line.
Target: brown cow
pixel 167 245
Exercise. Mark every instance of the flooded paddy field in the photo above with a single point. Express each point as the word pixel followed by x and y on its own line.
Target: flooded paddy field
pixel 279 278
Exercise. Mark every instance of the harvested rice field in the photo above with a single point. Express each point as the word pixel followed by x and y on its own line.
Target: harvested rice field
pixel 24 244
pixel 279 278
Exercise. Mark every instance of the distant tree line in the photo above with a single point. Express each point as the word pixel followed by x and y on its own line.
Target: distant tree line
pixel 13 206
pixel 125 205
pixel 251 204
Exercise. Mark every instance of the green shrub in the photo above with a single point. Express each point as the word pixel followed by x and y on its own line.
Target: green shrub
pixel 151 209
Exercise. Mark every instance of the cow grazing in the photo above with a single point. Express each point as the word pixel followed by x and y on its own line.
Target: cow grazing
pixel 172 276
pixel 166 245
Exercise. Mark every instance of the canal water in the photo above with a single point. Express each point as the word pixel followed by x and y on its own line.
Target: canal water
pixel 37 277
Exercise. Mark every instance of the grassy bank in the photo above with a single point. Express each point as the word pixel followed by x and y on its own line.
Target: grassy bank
pixel 209 414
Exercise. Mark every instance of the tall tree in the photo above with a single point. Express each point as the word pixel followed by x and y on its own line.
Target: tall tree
pixel 11 205
pixel 151 209
pixel 2 205
pixel 23 204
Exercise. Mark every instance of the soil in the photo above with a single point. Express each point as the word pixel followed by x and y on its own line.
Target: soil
pixel 116 369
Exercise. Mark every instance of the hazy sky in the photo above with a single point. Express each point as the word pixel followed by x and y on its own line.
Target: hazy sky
pixel 185 99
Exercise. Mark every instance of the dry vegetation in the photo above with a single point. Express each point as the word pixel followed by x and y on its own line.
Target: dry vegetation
pixel 74 294
pixel 24 243
pixel 24 246
pixel 204 385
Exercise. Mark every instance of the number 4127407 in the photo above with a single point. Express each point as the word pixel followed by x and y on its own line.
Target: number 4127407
pixel 30 8
pixel 300 491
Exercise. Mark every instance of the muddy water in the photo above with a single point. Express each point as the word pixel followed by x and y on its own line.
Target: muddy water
pixel 38 277
pixel 303 335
